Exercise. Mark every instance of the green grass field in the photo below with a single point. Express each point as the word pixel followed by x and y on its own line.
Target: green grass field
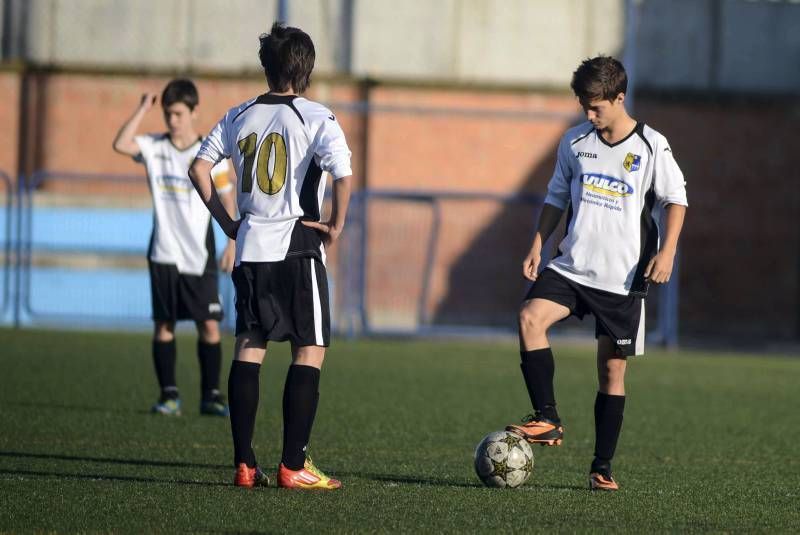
pixel 710 442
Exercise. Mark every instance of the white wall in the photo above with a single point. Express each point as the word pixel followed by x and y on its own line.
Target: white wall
pixel 739 45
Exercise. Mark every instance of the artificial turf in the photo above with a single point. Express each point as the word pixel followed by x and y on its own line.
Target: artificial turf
pixel 709 443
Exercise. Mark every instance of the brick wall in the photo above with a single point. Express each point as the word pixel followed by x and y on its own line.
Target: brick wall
pixel 740 245
pixel 9 121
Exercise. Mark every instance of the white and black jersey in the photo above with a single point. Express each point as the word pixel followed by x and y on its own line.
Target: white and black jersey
pixel 182 224
pixel 280 147
pixel 611 193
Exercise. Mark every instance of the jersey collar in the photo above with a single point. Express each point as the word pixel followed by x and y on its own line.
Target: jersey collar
pixel 623 140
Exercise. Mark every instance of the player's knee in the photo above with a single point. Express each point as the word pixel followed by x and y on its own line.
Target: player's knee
pixel 209 331
pixel 531 322
pixel 164 331
pixel 612 372
pixel 312 356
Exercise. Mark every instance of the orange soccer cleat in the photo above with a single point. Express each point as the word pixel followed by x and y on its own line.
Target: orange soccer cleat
pixel 599 481
pixel 537 429
pixel 250 477
pixel 308 477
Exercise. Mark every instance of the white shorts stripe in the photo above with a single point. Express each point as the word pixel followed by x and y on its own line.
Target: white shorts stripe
pixel 317 305
pixel 640 333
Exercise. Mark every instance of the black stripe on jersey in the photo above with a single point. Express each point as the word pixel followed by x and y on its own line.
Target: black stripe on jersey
pixel 591 129
pixel 640 132
pixel 308 192
pixel 648 244
pixel 304 242
pixel 623 140
pixel 268 98
pixel 566 228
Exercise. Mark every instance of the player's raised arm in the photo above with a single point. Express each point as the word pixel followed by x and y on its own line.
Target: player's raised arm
pixel 200 175
pixel 124 142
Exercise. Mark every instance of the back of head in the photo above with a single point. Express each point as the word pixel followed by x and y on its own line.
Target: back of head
pixel 287 55
pixel 600 78
pixel 180 90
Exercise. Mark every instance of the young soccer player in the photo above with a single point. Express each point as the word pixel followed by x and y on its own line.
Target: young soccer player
pixel 182 255
pixel 610 175
pixel 280 144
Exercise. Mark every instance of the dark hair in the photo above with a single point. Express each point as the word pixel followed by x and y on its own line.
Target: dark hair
pixel 180 90
pixel 600 78
pixel 287 55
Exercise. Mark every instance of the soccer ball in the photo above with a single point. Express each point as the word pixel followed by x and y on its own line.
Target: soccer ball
pixel 503 459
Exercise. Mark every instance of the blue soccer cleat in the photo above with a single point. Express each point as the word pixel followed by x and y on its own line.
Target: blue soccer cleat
pixel 216 405
pixel 167 406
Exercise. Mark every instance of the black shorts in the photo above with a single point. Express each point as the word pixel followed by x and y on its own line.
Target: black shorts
pixel 177 296
pixel 620 317
pixel 285 300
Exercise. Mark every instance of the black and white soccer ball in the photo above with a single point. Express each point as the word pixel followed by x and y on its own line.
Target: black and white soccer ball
pixel 503 459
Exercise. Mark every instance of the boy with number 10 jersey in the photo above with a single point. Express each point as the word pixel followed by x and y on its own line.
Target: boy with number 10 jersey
pixel 281 144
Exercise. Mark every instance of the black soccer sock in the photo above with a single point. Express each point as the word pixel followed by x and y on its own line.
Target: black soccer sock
pixel 243 400
pixel 164 362
pixel 300 399
pixel 210 357
pixel 538 369
pixel 608 411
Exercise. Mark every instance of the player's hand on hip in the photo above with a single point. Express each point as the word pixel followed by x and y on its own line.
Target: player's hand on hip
pixel 148 100
pixel 659 269
pixel 228 257
pixel 530 266
pixel 329 233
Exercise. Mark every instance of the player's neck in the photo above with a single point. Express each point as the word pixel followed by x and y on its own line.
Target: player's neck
pixel 619 129
pixel 184 140
pixel 282 93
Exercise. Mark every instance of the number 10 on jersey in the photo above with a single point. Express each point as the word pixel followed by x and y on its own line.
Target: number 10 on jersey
pixel 269 184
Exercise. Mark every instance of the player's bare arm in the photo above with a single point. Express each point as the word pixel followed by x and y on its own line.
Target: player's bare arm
pixel 124 142
pixel 200 175
pixel 660 267
pixel 341 200
pixel 548 220
pixel 228 199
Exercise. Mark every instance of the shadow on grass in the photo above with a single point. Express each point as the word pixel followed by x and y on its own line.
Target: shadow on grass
pixel 409 480
pixel 440 482
pixel 107 477
pixel 69 407
pixel 135 462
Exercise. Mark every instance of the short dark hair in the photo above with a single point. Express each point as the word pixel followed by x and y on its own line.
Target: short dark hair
pixel 600 78
pixel 287 55
pixel 180 90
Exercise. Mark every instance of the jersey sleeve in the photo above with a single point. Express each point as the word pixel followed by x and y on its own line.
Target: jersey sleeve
pixel 331 150
pixel 669 184
pixel 215 147
pixel 145 143
pixel 558 193
pixel 219 173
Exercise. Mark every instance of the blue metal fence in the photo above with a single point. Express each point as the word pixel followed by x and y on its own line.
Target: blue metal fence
pixel 77 264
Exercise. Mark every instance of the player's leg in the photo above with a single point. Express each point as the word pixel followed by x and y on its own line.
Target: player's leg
pixel 164 358
pixel 209 355
pixel 310 335
pixel 609 406
pixel 536 317
pixel 243 389
pixel 300 400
